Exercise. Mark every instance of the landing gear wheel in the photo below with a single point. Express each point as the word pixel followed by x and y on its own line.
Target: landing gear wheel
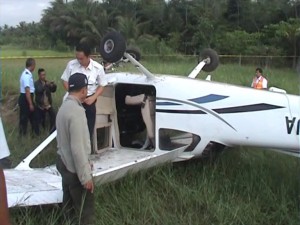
pixel 112 47
pixel 212 58
pixel 134 52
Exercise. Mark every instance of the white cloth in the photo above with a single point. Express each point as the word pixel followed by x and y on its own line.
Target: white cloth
pixel 26 80
pixel 94 73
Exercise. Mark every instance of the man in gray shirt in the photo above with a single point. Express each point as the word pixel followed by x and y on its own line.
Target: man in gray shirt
pixel 73 142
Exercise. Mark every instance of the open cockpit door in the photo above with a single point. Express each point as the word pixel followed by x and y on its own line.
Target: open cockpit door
pixel 102 139
pixel 135 108
pixel 116 163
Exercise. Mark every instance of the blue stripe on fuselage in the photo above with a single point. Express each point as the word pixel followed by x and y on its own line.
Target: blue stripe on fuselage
pixel 208 98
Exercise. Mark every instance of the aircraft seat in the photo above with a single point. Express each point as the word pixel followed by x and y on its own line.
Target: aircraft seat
pixel 148 113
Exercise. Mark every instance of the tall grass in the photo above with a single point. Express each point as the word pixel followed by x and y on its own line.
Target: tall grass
pixel 243 186
pixel 17 51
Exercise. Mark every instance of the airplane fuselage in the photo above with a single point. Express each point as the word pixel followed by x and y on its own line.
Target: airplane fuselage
pixel 223 113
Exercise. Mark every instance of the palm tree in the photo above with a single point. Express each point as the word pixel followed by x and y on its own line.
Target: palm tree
pixel 80 20
pixel 290 31
pixel 131 28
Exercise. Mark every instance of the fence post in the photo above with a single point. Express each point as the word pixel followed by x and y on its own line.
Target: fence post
pixel 298 68
pixel 240 60
pixel 266 62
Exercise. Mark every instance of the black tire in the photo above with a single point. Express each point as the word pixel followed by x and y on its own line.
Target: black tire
pixel 213 59
pixel 134 52
pixel 212 151
pixel 112 47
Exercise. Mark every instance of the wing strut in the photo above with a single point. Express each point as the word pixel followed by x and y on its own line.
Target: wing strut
pixel 24 165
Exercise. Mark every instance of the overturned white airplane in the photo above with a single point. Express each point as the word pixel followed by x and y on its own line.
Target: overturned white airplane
pixel 145 119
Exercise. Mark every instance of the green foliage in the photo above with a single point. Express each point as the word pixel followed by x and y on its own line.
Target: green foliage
pixel 61 46
pixel 131 28
pixel 232 27
pixel 27 35
pixel 76 21
pixel 286 34
pixel 151 45
pixel 24 53
pixel 174 41
pixel 236 42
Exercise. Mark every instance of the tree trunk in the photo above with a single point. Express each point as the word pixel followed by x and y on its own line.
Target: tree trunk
pixel 295 54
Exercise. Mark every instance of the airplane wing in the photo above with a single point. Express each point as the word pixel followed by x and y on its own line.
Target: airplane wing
pixel 32 187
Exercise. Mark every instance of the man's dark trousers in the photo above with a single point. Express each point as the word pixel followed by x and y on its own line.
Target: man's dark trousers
pixel 41 114
pixel 77 201
pixel 25 115
pixel 90 112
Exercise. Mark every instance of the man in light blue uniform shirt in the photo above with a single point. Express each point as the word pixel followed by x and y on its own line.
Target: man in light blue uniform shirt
pixel 27 110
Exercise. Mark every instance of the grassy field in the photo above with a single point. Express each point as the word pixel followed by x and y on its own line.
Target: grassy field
pixel 243 186
pixel 9 51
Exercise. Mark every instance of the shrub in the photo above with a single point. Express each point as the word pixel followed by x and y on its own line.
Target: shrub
pixel 61 46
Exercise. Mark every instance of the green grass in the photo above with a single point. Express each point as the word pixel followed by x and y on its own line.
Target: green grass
pixel 243 186
pixel 12 68
pixel 14 51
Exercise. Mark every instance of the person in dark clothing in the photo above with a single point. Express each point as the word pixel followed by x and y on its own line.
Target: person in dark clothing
pixel 43 99
pixel 27 108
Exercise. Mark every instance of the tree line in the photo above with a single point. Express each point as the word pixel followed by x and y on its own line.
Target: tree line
pixel 247 27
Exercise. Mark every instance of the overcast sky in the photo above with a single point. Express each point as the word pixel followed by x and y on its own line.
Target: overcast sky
pixel 12 12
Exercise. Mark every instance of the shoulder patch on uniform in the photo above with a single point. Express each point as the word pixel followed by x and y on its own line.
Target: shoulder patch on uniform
pixel 26 72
